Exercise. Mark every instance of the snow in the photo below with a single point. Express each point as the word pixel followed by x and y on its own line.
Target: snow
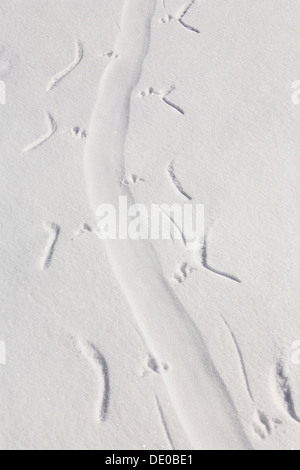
pixel 133 344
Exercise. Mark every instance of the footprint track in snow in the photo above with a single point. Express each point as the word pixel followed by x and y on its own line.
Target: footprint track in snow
pixel 205 264
pixel 262 425
pixel 54 231
pixel 175 181
pixel 152 366
pixel 110 55
pixel 171 225
pixel 58 77
pixel 52 128
pixel 131 180
pixel 285 391
pixel 84 228
pixel 240 358
pixel 162 95
pixel 165 424
pixel 100 367
pixel 182 273
pixel 78 133
pixel 181 13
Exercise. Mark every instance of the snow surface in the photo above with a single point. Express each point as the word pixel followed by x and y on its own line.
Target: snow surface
pixel 135 345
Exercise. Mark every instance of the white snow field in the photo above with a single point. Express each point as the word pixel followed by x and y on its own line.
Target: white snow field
pixel 141 344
